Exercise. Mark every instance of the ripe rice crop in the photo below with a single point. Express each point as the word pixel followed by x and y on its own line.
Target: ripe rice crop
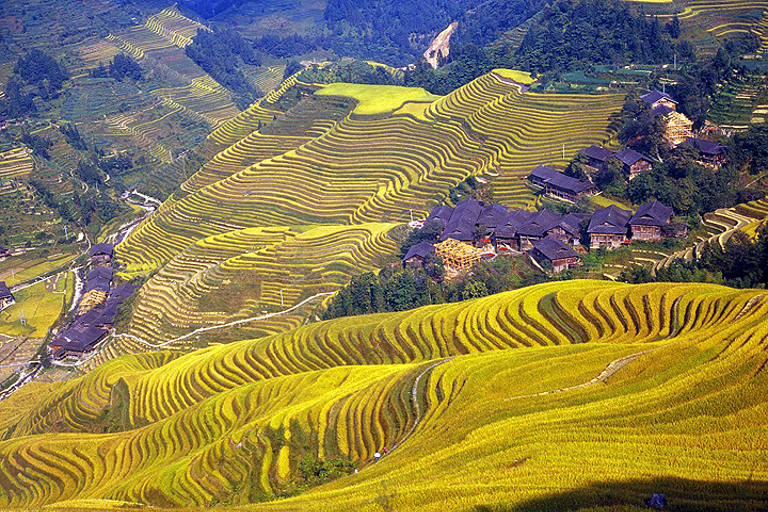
pixel 565 391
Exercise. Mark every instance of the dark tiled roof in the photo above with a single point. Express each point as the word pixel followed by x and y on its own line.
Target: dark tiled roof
pixel 102 248
pixel 557 179
pixel 654 96
pixel 81 341
pixel 492 216
pixel 598 153
pixel 651 214
pixel 5 292
pixel 99 279
pixel 704 146
pixel 572 222
pixel 630 157
pixel 610 220
pixel 513 220
pixel 554 249
pixel 442 213
pixel 661 110
pixel 540 223
pixel 461 225
pixel 421 249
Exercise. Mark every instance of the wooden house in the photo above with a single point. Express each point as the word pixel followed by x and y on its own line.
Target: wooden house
pixel 418 254
pixel 6 297
pixel 558 185
pixel 656 99
pixel 608 227
pixel 711 153
pixel 102 252
pixel 552 251
pixel 597 157
pixel 633 163
pixel 649 220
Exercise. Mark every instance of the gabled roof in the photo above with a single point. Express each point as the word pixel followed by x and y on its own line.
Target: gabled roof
pixel 557 179
pixel 461 225
pixel 540 223
pixel 651 214
pixel 654 96
pixel 630 157
pixel 422 250
pixel 571 223
pixel 5 292
pixel 704 146
pixel 554 249
pixel 102 248
pixel 83 340
pixel 513 220
pixel 442 213
pixel 661 110
pixel 598 153
pixel 99 279
pixel 609 220
pixel 492 216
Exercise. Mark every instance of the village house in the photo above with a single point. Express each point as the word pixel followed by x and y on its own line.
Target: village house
pixel 506 234
pixel 102 252
pixel 418 254
pixel 608 227
pixel 656 99
pixel 557 184
pixel 597 157
pixel 461 225
pixel 538 226
pixel 552 252
pixel 677 127
pixel 6 297
pixel 77 341
pixel 649 220
pixel 440 215
pixel 490 218
pixel 568 230
pixel 711 153
pixel 633 163
pixel 4 252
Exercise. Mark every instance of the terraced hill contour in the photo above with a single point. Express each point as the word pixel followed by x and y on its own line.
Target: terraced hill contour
pixel 344 158
pixel 556 396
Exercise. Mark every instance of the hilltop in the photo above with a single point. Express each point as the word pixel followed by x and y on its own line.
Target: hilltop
pixel 564 396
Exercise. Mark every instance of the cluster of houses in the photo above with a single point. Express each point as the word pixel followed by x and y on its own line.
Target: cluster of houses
pixel 677 132
pixel 548 237
pixel 97 308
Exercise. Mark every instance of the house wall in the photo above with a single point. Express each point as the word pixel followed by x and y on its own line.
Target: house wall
pixel 637 168
pixel 650 233
pixel 610 241
pixel 563 264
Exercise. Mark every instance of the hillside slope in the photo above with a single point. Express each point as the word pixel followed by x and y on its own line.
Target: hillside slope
pixel 344 158
pixel 613 392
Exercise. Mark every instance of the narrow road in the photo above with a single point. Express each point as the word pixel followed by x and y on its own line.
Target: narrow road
pixel 610 370
pixel 193 333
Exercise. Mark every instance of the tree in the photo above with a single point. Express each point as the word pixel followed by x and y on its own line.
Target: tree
pixel 474 290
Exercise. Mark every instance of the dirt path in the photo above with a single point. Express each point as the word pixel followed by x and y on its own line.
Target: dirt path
pixel 610 370
pixel 416 407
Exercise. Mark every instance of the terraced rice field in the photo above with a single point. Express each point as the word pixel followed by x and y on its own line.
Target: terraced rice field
pixel 376 168
pixel 585 393
pixel 721 225
pixel 324 165
pixel 720 18
pixel 282 266
pixel 159 44
pixel 16 163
